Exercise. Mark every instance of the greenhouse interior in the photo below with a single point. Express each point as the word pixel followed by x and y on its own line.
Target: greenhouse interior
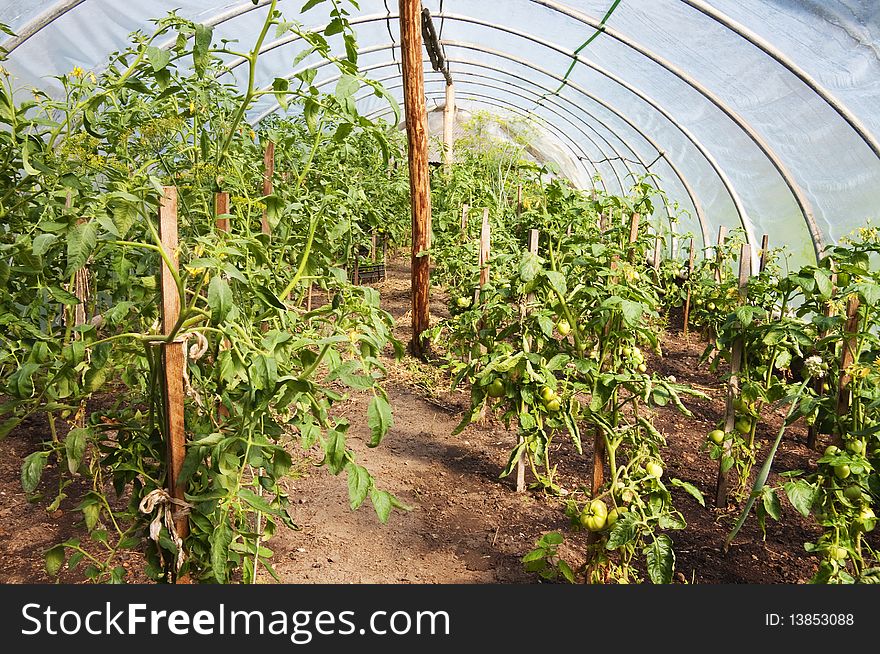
pixel 440 291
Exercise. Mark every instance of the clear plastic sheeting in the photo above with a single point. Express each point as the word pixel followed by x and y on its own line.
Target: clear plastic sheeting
pixel 759 114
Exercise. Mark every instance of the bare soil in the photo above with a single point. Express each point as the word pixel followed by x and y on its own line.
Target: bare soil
pixel 466 525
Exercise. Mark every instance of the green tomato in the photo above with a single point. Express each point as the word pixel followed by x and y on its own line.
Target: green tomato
pixel 496 388
pixel 654 469
pixel 547 394
pixel 463 302
pixel 841 471
pixel 716 436
pixel 832 450
pixel 614 514
pixel 843 279
pixel 867 519
pixel 563 327
pixel 853 492
pixel 743 425
pixel 642 368
pixel 855 447
pixel 594 515
pixel 553 405
pixel 711 306
pixel 838 552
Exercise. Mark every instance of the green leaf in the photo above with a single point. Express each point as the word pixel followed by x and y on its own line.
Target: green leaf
pixel 281 86
pixel 54 559
pixel 623 532
pixel 221 539
pixel 20 384
pixel 347 375
pixel 219 299
pixel 690 489
pixel 257 502
pixel 823 284
pixel 529 267
pixel 557 282
pixel 359 484
pixel 201 46
pixel 660 560
pixel 632 312
pixel 309 5
pixel 8 426
pixel 379 418
pixel 158 57
pixel 32 470
pixel 771 503
pixel 91 513
pixel 81 242
pixel 382 502
pixel 567 572
pixel 75 447
pixel 42 243
pixel 869 292
pixel 802 495
pixel 334 449
pixel 558 362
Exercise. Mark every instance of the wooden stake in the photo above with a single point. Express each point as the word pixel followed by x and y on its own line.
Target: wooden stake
pixel 172 356
pixel 736 359
pixel 765 246
pixel 448 127
pixel 268 174
pixel 657 241
pixel 534 237
pixel 374 247
pixel 722 234
pixel 848 356
pixel 221 211
pixel 419 179
pixel 485 247
pixel 633 235
pixel 687 300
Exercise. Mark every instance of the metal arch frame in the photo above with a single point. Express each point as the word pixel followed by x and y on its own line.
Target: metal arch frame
pixel 501 104
pixel 744 125
pixel 526 113
pixel 44 19
pixel 783 60
pixel 539 86
pixel 802 202
pixel 725 181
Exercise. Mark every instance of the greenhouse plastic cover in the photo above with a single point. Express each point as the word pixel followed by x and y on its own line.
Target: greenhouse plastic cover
pixel 760 114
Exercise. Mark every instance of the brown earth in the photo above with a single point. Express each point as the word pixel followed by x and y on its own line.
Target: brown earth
pixel 466 525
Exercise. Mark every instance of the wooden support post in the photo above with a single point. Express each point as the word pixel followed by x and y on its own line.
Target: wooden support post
pixel 268 174
pixel 464 221
pixel 657 247
pixel 448 128
pixel 172 357
pixel 221 211
pixel 687 300
pixel 765 245
pixel 722 234
pixel 633 236
pixel 534 237
pixel 848 356
pixel 374 247
pixel 485 247
pixel 419 179
pixel 736 360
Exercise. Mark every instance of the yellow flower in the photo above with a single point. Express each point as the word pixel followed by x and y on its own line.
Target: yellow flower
pixel 192 107
pixel 77 72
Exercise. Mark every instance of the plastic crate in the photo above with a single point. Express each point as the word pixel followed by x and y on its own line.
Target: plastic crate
pixel 368 273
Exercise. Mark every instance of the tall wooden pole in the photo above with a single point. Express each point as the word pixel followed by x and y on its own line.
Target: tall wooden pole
pixel 172 357
pixel 448 127
pixel 419 182
pixel 268 174
pixel 765 246
pixel 687 301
